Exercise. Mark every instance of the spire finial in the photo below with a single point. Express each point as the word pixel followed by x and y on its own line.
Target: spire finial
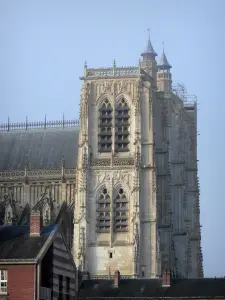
pixel 85 69
pixel 149 48
pixel 163 45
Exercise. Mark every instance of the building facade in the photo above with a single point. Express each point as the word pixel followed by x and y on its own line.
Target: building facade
pixel 129 168
pixel 35 262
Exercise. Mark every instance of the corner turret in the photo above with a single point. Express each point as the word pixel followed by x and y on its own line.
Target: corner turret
pixel 148 63
pixel 164 76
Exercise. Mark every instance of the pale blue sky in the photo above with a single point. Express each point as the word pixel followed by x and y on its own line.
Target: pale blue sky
pixel 43 46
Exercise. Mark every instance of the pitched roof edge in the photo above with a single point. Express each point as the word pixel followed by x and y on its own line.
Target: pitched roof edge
pixel 47 244
pixel 19 261
pixel 70 254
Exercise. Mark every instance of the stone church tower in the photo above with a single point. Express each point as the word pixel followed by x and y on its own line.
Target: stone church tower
pixel 132 166
pixel 107 230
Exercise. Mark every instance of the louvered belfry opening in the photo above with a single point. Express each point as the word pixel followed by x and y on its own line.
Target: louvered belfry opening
pixel 121 212
pixel 103 219
pixel 122 123
pixel 105 127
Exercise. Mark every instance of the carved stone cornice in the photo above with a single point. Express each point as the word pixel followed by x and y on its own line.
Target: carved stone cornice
pixel 19 175
pixel 113 162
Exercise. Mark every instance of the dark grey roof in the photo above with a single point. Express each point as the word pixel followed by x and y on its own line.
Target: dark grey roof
pixel 44 148
pixel 163 62
pixel 136 288
pixel 149 49
pixel 16 243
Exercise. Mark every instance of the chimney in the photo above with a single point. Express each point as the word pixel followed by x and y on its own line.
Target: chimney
pixel 166 278
pixel 116 278
pixel 35 223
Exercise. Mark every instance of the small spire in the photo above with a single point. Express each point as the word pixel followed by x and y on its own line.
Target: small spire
pixel 85 69
pixel 163 62
pixel 149 48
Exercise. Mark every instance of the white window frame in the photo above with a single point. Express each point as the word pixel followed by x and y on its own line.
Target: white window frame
pixel 3 282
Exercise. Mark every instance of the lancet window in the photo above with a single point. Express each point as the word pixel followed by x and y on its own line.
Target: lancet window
pixel 105 127
pixel 121 212
pixel 122 129
pixel 103 211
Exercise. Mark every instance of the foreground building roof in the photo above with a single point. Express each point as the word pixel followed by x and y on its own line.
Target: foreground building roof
pixel 17 244
pixel 151 288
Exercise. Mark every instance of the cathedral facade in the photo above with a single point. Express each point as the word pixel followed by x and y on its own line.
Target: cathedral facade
pixel 127 172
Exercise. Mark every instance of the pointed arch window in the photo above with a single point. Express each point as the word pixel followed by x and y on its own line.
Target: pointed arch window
pixel 103 211
pixel 122 123
pixel 121 212
pixel 105 127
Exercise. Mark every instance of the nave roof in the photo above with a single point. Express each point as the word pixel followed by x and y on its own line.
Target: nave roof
pixel 39 148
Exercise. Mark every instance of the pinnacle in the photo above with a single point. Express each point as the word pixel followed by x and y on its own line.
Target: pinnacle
pixel 149 49
pixel 163 62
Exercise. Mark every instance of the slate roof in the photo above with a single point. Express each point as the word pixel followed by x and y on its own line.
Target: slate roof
pixel 163 62
pixel 149 49
pixel 135 288
pixel 16 243
pixel 44 148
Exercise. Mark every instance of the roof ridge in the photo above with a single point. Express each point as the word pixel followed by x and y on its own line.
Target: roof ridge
pixel 9 126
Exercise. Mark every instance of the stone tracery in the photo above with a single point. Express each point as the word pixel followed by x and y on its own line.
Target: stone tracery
pixel 103 210
pixel 121 211
pixel 105 126
pixel 122 126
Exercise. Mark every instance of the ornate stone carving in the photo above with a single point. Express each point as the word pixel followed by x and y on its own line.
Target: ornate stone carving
pixel 101 162
pixel 51 173
pixel 103 88
pixel 12 174
pixel 102 177
pixel 108 87
pixel 117 176
pixel 122 87
pixel 111 72
pixel 37 173
pixel 70 171
pixel 123 161
pixel 123 176
pixel 104 163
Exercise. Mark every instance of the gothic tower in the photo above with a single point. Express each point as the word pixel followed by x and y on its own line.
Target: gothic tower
pixel 115 154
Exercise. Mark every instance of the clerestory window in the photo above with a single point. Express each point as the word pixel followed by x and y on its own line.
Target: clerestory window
pixel 103 211
pixel 105 127
pixel 3 282
pixel 121 212
pixel 122 122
